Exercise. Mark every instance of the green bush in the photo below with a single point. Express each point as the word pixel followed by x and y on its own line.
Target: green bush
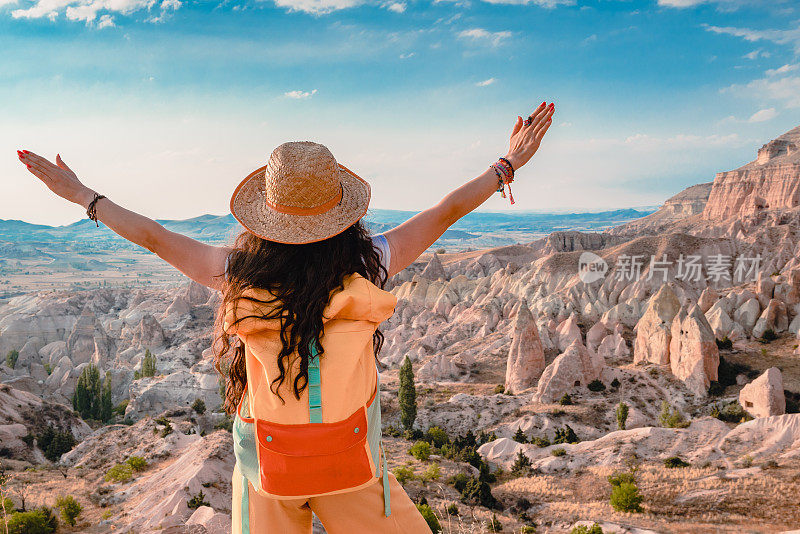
pixel 558 452
pixel 565 400
pixel 53 443
pixel 137 463
pixel 437 437
pixel 527 529
pixel 519 436
pixel 596 385
pixel 477 491
pixel 499 388
pixel 583 529
pixel 622 415
pixel 459 481
pixel 407 395
pixel 421 450
pixel 39 521
pixel 626 498
pixel 197 501
pixel 148 365
pixel 403 474
pixel 724 343
pixel 70 509
pixel 620 478
pixel 522 464
pixel 199 406
pixel 120 408
pixel 119 473
pixel 671 418
pixel 431 473
pixel 540 442
pixel 731 412
pixel 565 435
pixel 452 509
pixel 167 430
pixel 768 335
pixel 225 424
pixel 12 357
pixel 427 513
pixel 493 525
pixel 674 461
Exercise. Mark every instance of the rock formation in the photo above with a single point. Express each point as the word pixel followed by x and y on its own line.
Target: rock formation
pixel 654 329
pixel 526 355
pixel 574 368
pixel 693 352
pixel 764 397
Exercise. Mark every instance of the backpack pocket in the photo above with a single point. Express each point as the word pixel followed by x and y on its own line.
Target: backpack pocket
pixel 315 458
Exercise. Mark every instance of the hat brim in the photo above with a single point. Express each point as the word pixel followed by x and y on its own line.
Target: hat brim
pixel 249 207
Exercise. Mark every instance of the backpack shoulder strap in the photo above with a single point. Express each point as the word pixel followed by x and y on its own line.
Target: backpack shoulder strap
pixel 314 389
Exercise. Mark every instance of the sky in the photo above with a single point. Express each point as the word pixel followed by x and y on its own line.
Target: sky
pixel 164 106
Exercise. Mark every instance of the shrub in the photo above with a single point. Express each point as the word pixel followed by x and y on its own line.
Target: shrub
pixel 565 400
pixel 427 513
pixel 493 525
pixel 39 521
pixel 583 529
pixel 119 473
pixel 53 443
pixel 392 432
pixel 48 368
pixel 407 395
pixel 558 452
pixel 596 385
pixel 199 406
pixel 540 442
pixel 437 437
pixel 421 450
pixel 622 415
pixel 499 388
pixel 70 509
pixel 137 463
pixel 724 343
pixel 621 478
pixel 731 412
pixel 522 464
pixel 674 461
pixel 459 481
pixel 148 364
pixel 197 501
pixel 432 473
pixel 486 437
pixel 167 430
pixel 626 498
pixel 452 509
pixel 792 401
pixel 671 418
pixel 527 529
pixel 615 383
pixel 519 436
pixel 478 492
pixel 120 408
pixel 565 435
pixel 11 358
pixel 403 474
pixel 768 335
pixel 225 424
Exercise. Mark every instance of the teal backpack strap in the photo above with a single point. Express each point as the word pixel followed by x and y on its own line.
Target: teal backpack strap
pixel 387 507
pixel 314 389
pixel 245 511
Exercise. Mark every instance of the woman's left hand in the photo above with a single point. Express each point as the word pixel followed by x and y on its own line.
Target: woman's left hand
pixel 57 177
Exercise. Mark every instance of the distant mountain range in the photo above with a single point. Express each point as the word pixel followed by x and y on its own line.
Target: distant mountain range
pixel 217 229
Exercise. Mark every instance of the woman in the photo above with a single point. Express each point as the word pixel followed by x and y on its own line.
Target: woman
pixel 302 299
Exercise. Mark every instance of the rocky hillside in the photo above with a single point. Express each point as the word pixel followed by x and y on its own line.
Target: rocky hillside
pixel 695 308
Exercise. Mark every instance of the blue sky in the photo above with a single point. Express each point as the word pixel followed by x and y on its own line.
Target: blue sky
pixel 164 105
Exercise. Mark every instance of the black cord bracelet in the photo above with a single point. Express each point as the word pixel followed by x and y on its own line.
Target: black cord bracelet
pixel 91 210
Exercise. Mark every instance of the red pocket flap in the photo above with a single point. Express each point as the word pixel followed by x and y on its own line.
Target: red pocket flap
pixel 313 439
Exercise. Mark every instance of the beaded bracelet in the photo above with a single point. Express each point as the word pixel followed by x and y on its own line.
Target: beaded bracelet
pixel 91 210
pixel 505 175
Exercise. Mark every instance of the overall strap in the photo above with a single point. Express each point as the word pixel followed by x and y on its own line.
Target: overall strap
pixel 245 506
pixel 314 389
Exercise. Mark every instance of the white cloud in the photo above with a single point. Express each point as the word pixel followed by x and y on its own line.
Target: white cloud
pixel 317 7
pixel 484 36
pixel 397 7
pixel 726 5
pixel 549 4
pixel 763 115
pixel 407 55
pixel 7 2
pixel 755 54
pixel 783 89
pixel 782 70
pixel 781 37
pixel 300 95
pixel 484 83
pixel 93 12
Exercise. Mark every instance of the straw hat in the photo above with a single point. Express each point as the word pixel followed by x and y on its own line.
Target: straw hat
pixel 301 195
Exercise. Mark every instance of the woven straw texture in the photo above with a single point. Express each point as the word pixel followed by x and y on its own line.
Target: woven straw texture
pixel 295 197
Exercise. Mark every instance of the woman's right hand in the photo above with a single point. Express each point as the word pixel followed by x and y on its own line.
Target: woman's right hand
pixel 525 139
pixel 58 177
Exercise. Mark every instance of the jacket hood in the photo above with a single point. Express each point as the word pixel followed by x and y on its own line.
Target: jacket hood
pixel 358 300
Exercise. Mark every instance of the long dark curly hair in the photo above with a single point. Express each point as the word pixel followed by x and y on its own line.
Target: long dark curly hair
pixel 300 278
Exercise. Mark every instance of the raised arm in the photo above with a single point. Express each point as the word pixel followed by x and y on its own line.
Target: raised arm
pixel 202 263
pixel 410 239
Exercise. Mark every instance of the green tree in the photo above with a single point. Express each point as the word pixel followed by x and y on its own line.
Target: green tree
pixel 626 498
pixel 622 415
pixel 522 464
pixel 520 436
pixel 199 406
pixel 671 418
pixel 12 357
pixel 106 406
pixel 427 513
pixel 197 501
pixel 421 450
pixel 407 395
pixel 70 509
pixel 87 398
pixel 148 364
pixel 39 521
